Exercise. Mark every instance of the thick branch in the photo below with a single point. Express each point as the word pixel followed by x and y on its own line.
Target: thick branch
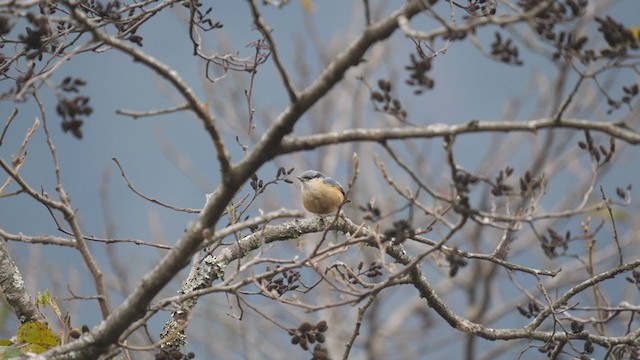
pixel 13 289
pixel 211 268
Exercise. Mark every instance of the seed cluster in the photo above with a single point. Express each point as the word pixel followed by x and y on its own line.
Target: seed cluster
pixel 307 334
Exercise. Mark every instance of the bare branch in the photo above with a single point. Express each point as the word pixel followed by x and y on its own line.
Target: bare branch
pixel 170 75
pixel 139 114
pixel 286 79
pixel 155 201
pixel 291 144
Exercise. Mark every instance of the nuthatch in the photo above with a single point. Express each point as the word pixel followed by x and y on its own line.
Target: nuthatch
pixel 321 194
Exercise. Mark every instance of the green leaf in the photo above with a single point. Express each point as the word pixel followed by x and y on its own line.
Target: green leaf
pixel 8 352
pixel 47 300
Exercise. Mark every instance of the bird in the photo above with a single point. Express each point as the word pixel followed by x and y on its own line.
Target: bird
pixel 321 194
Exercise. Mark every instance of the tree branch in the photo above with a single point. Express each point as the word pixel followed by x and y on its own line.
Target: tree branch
pixel 13 289
pixel 293 144
pixel 200 109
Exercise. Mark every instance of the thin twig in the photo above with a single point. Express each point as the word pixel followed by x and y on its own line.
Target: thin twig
pixel 139 114
pixel 286 79
pixel 171 76
pixel 8 123
pixel 615 231
pixel 70 217
pixel 356 330
pixel 150 199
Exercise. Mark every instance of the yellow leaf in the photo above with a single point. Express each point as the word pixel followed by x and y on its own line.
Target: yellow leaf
pixel 620 215
pixel 37 336
pixel 308 6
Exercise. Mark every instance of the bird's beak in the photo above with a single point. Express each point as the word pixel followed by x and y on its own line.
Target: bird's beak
pixel 299 178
